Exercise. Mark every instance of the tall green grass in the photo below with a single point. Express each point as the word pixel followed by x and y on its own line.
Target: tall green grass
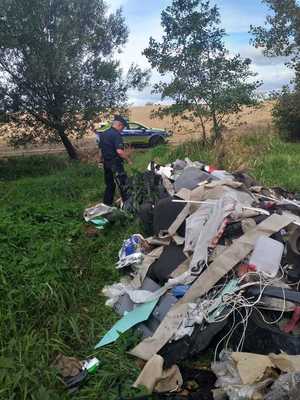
pixel 266 157
pixel 279 165
pixel 51 278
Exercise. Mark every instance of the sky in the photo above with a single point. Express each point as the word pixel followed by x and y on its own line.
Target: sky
pixel 143 20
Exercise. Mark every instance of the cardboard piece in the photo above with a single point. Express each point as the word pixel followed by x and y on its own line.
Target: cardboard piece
pixel 155 378
pixel 148 260
pixel 179 220
pixel 285 362
pixel 139 314
pixel 251 367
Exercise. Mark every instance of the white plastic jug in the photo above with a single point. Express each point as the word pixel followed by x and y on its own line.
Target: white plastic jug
pixel 267 255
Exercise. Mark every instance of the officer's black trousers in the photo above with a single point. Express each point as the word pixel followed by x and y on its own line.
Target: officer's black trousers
pixel 114 175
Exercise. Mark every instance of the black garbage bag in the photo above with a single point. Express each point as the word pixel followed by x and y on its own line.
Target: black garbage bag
pixel 191 346
pixel 170 259
pixel 165 213
pixel 262 337
pixel 142 187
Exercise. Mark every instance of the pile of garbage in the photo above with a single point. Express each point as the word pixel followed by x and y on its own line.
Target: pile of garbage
pixel 220 268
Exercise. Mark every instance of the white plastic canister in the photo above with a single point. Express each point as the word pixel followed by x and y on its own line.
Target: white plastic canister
pixel 267 255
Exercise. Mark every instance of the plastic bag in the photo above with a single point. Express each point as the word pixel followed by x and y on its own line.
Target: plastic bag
pixel 286 387
pixel 99 210
pixel 229 380
pixel 131 251
pixel 248 392
pixel 113 293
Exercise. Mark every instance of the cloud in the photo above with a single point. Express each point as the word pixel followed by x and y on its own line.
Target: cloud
pixel 139 36
pixel 237 22
pixel 140 99
pixel 272 71
pixel 237 16
pixel 115 4
pixel 273 77
pixel 256 55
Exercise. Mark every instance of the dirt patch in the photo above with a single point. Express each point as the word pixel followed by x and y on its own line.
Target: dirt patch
pixel 248 119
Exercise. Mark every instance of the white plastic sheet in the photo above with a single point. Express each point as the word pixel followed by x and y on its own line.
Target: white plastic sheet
pixel 205 228
pixel 99 210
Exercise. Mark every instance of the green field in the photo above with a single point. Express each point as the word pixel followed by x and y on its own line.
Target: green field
pixel 52 273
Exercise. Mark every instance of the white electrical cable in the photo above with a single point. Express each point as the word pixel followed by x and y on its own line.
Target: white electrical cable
pixel 237 302
pixel 279 201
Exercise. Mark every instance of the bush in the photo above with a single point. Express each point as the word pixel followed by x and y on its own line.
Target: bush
pixel 286 114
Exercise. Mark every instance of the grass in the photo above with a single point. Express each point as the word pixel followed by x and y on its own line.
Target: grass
pixel 51 279
pixel 52 273
pixel 280 165
pixel 270 160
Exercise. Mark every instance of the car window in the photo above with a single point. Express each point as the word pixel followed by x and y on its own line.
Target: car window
pixel 134 126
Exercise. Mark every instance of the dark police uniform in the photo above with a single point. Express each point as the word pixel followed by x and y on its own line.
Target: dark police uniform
pixel 114 173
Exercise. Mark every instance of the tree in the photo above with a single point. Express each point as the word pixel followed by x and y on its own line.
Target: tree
pixel 286 114
pixel 58 67
pixel 281 34
pixel 200 77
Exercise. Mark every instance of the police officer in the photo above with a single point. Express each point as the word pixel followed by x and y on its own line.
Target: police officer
pixel 113 156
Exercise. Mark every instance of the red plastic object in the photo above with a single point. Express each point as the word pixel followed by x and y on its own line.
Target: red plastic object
pixel 245 269
pixel 294 321
pixel 210 169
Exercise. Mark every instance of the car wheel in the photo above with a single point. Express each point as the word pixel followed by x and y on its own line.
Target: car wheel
pixel 156 141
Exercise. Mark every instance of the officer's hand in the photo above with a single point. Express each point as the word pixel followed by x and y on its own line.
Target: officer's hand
pixel 130 162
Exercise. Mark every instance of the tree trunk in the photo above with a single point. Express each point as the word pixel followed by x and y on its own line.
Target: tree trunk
pixel 67 143
pixel 216 128
pixel 199 115
pixel 203 131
